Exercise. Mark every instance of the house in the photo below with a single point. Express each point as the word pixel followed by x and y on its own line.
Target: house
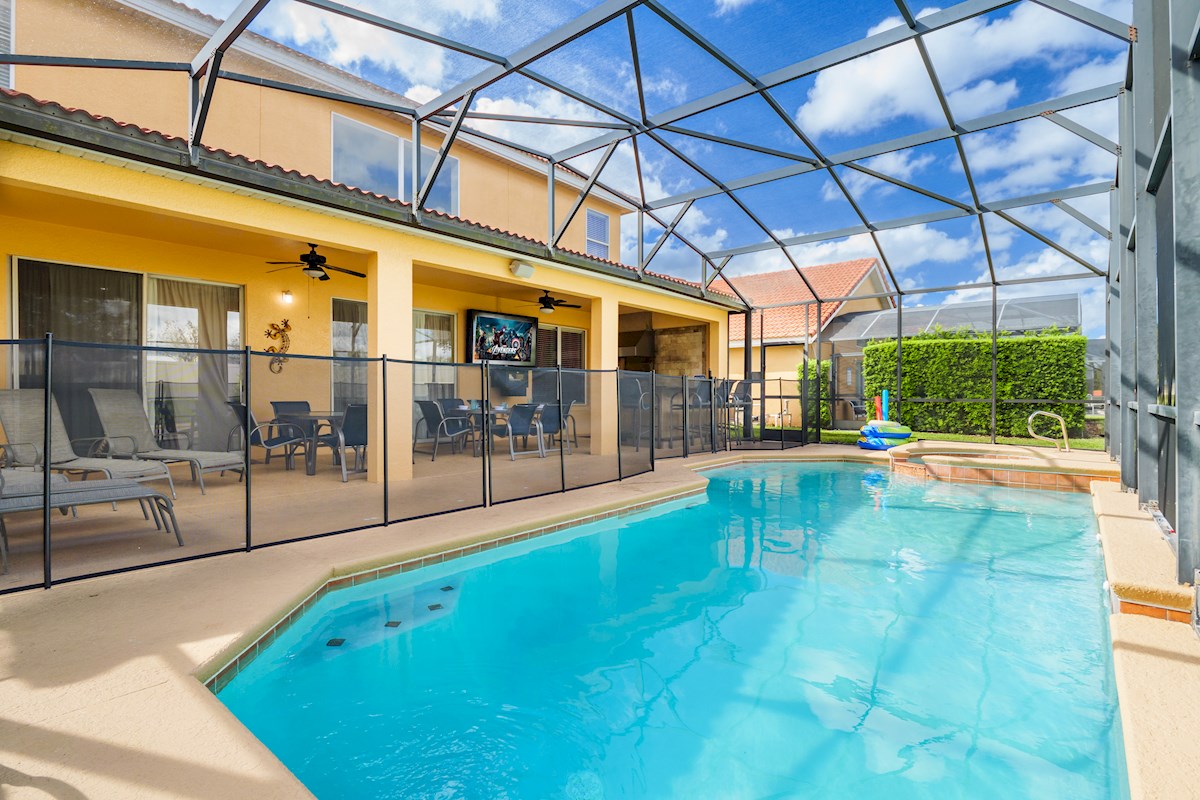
pixel 119 236
pixel 788 322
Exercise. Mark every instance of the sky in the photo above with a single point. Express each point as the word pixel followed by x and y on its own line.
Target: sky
pixel 1022 54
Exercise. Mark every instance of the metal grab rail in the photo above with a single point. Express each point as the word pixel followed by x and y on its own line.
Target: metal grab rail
pixel 1062 424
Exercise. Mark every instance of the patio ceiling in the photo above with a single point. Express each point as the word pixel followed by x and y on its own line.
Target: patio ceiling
pixel 967 147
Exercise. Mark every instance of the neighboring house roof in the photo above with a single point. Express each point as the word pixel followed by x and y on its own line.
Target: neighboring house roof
pixel 796 322
pixel 47 119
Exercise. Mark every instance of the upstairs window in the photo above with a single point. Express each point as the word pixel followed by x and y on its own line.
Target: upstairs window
pixel 444 195
pixel 6 42
pixel 597 234
pixel 365 158
pixel 377 161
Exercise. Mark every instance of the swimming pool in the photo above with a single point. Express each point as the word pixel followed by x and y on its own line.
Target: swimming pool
pixel 822 630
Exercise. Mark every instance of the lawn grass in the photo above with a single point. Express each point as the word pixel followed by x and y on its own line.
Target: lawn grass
pixel 851 437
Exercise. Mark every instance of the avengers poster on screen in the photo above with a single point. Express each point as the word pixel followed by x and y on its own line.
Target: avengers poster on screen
pixel 503 339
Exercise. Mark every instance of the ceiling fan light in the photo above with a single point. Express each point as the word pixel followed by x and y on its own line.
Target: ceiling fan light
pixel 313 271
pixel 547 309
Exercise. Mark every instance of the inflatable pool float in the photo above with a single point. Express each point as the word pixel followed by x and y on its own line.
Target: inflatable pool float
pixel 879 434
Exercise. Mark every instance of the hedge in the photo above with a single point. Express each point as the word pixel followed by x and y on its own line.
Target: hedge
pixel 811 368
pixel 1049 366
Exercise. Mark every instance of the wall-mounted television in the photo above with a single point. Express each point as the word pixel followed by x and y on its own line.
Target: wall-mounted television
pixel 501 338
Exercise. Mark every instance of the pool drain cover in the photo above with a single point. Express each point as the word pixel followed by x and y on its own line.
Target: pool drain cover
pixel 395 623
pixel 435 606
pixel 335 643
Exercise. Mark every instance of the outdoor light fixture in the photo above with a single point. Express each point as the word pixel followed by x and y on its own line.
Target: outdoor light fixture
pixel 547 309
pixel 287 297
pixel 521 269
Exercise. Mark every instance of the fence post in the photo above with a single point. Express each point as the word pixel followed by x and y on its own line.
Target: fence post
pixel 387 518
pixel 687 428
pixel 653 417
pixel 617 383
pixel 485 452
pixel 562 432
pixel 246 428
pixel 47 400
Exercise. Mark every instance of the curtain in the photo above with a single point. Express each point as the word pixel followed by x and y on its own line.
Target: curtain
pixel 80 304
pixel 191 392
pixel 433 340
pixel 349 339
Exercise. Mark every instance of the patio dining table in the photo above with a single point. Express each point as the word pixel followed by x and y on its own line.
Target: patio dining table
pixel 312 421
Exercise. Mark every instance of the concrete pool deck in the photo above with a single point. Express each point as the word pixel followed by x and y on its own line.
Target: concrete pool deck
pixel 99 695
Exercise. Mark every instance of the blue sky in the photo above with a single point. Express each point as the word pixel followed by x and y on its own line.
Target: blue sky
pixel 1021 54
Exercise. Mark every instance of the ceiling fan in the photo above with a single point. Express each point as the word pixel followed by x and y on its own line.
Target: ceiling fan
pixel 548 303
pixel 313 265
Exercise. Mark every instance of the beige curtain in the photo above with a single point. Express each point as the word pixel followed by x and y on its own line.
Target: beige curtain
pixel 216 376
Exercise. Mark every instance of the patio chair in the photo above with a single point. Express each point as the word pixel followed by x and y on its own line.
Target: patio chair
pixel 522 421
pixel 124 420
pixel 286 436
pixel 21 412
pixel 354 436
pixel 297 413
pixel 634 401
pixel 698 403
pixel 554 419
pixel 454 430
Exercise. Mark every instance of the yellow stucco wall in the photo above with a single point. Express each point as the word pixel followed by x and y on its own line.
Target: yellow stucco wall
pixel 278 127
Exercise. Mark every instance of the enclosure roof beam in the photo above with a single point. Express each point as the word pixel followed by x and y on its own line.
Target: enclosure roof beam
pixel 585 22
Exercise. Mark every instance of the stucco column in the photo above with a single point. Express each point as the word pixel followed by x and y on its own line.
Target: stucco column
pixel 602 389
pixel 390 333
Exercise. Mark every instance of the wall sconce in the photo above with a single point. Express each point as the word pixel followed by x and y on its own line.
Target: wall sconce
pixel 286 297
pixel 521 269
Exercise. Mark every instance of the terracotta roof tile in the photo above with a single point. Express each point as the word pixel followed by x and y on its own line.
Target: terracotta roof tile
pixel 786 286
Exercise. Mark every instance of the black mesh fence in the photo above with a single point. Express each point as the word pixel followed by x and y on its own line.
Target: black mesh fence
pixel 635 408
pixel 152 455
pixel 437 427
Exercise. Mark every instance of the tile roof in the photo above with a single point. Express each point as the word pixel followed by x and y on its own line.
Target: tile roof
pixel 785 286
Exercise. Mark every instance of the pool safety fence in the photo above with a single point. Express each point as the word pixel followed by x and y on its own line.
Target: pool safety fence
pixel 121 457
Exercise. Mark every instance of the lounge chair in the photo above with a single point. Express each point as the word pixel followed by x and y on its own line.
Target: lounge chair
pixel 125 425
pixel 22 490
pixel 21 412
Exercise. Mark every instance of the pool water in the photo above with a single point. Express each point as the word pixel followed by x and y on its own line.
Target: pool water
pixel 822 630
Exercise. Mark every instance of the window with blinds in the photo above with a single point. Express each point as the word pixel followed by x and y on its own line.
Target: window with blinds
pixel 597 234
pixel 6 42
pixel 560 347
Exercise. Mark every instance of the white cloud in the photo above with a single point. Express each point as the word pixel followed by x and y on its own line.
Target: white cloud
pixel 917 245
pixel 984 97
pixel 732 6
pixel 868 92
pixel 349 44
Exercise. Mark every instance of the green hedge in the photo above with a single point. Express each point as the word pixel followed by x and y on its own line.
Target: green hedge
pixel 1049 366
pixel 811 368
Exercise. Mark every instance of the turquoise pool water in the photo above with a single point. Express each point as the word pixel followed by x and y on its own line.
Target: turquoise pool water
pixel 814 630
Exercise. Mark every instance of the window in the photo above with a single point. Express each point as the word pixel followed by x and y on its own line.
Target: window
pixel 366 158
pixel 377 161
pixel 188 394
pixel 6 41
pixel 444 195
pixel 560 347
pixel 433 341
pixel 349 332
pixel 597 234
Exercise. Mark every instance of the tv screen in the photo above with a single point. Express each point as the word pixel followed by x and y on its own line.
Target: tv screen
pixel 501 338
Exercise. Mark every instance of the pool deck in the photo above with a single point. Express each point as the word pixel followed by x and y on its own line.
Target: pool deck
pixel 99 689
